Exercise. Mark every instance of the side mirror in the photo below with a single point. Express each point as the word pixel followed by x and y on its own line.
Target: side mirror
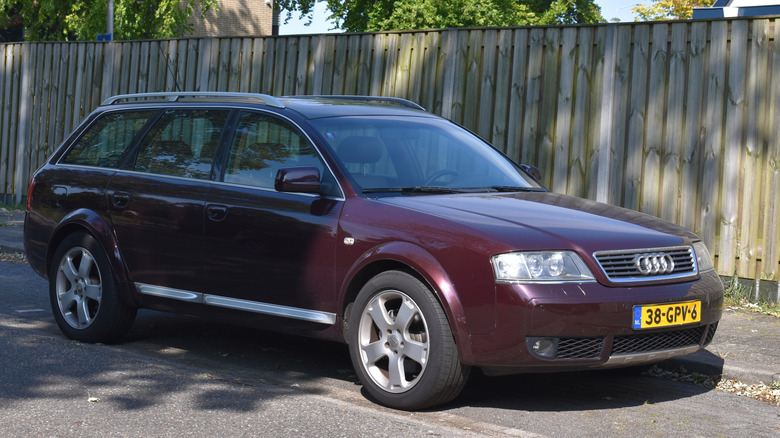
pixel 533 171
pixel 298 179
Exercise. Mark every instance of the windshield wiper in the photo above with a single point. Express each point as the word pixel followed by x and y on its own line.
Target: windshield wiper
pixel 415 189
pixel 517 189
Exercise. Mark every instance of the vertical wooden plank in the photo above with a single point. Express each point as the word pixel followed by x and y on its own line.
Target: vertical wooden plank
pixel 302 65
pixel 403 65
pixel 391 65
pixel 578 160
pixel 204 65
pixel 234 65
pixel 621 90
pixel 432 60
pixel 637 108
pixel 351 63
pixel 107 83
pixel 224 66
pixel 562 138
pixel 593 150
pixel 730 241
pixel 246 65
pixel 771 255
pixel 378 64
pixel 656 99
pixel 363 74
pixel 326 64
pixel 606 117
pixel 258 54
pixel 54 102
pixel 44 103
pixel 694 127
pixel 715 99
pixel 316 73
pixel 756 92
pixel 70 101
pixel 487 84
pixel 675 111
pixel 5 113
pixel 37 150
pixel 502 90
pixel 472 81
pixel 77 86
pixel 25 121
pixel 418 69
pixel 448 72
pixel 291 61
pixel 515 128
pixel 547 115
pixel 339 64
pixel 532 97
pixel 135 64
pixel 143 67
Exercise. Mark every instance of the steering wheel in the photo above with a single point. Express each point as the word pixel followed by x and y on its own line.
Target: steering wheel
pixel 440 173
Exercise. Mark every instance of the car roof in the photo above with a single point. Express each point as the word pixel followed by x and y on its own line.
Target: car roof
pixel 310 107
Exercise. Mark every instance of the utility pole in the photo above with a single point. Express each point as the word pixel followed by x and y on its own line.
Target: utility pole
pixel 110 20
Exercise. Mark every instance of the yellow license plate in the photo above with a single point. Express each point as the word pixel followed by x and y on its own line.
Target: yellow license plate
pixel 663 315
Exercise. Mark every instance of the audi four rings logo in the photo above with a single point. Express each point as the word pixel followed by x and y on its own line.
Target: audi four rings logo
pixel 654 264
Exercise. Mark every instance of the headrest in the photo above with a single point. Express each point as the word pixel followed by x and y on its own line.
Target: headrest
pixel 361 149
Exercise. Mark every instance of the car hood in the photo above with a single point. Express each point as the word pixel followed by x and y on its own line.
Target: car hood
pixel 546 220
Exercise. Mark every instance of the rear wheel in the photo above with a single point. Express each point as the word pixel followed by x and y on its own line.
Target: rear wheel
pixel 84 294
pixel 401 344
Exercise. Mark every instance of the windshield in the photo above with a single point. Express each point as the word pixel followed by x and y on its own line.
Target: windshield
pixel 418 154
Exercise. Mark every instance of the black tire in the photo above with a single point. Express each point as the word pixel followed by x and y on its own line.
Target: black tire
pixel 414 338
pixel 84 293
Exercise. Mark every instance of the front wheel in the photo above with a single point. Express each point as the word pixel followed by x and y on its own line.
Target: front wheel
pixel 84 293
pixel 401 344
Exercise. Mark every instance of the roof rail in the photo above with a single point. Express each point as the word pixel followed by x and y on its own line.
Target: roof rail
pixel 175 96
pixel 395 100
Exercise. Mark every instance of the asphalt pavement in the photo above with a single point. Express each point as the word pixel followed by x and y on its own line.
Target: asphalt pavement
pixel 746 346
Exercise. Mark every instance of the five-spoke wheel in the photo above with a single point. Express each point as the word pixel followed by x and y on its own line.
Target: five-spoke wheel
pixel 84 294
pixel 401 344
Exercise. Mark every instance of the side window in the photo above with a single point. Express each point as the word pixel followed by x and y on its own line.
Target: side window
pixel 106 140
pixel 182 143
pixel 262 145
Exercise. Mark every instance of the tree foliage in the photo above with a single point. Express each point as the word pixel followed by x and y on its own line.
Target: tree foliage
pixel 376 15
pixel 669 9
pixel 69 20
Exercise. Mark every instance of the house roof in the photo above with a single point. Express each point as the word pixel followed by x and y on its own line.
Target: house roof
pixel 738 8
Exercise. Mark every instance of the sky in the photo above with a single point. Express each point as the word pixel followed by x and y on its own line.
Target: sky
pixel 609 9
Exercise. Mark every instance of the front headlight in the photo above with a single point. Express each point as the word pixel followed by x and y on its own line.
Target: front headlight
pixel 540 266
pixel 703 259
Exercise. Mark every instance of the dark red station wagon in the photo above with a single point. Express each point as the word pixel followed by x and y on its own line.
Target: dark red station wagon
pixel 364 220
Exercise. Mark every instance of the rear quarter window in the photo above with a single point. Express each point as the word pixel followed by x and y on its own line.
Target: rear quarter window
pixel 104 142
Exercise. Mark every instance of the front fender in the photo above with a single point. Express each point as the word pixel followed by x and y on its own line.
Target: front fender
pixel 429 270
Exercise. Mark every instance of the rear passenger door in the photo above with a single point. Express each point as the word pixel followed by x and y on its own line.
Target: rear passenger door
pixel 266 251
pixel 156 201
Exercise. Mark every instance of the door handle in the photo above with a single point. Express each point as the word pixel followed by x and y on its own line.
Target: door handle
pixel 216 213
pixel 120 200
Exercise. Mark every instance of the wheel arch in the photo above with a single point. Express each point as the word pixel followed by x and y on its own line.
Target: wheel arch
pixel 415 261
pixel 92 223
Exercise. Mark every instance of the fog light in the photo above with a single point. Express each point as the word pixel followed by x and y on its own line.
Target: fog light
pixel 544 348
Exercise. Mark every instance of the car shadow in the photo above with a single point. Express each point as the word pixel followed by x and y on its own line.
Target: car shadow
pixel 243 353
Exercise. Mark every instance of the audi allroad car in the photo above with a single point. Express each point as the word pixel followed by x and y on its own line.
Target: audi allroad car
pixel 363 220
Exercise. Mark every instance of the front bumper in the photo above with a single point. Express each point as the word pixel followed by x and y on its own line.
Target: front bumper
pixel 590 326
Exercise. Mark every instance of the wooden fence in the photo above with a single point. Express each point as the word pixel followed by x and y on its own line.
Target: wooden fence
pixel 679 120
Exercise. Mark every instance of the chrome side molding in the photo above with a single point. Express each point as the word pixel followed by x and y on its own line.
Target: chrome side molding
pixel 238 304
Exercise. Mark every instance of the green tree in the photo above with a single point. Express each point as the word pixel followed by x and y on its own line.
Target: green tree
pixel 669 9
pixel 374 15
pixel 69 20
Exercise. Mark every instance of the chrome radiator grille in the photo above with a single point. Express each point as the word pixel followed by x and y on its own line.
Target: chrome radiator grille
pixel 650 264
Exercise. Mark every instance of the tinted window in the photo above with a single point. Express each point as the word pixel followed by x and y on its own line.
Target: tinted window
pixel 394 152
pixel 262 145
pixel 182 143
pixel 105 141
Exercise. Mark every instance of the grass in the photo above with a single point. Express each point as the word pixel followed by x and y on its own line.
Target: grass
pixel 739 293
